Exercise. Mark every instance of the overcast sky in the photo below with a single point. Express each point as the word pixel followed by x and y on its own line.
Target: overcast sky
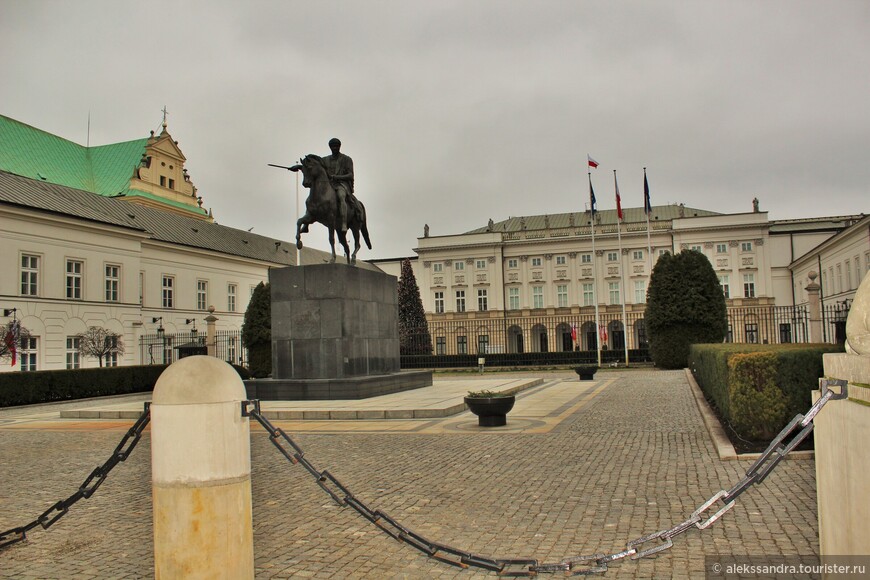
pixel 455 112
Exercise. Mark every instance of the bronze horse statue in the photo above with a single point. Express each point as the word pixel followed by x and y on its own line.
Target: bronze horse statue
pixel 322 206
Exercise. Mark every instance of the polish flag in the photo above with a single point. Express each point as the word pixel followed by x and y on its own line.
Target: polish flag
pixel 574 333
pixel 618 199
pixel 592 162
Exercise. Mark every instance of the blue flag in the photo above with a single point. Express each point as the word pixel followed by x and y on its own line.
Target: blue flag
pixel 592 197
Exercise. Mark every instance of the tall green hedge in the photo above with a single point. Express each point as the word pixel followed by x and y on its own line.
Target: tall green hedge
pixel 257 331
pixel 759 388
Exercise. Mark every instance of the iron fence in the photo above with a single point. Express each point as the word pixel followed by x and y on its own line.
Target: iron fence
pixel 164 348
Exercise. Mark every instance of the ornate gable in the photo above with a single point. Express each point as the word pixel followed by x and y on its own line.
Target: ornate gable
pixel 162 176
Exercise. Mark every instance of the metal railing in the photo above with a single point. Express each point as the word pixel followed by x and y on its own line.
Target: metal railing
pixel 166 348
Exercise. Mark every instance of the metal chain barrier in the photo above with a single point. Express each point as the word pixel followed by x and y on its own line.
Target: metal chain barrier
pixel 705 516
pixel 87 488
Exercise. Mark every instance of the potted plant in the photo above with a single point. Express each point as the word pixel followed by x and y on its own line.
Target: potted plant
pixel 586 372
pixel 490 407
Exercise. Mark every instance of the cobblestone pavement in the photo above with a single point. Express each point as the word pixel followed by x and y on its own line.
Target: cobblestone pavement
pixel 634 460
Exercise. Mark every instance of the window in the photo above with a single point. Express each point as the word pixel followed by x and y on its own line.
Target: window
pixel 440 345
pixel 162 181
pixel 745 246
pixel 514 298
pixel 614 292
pixel 482 343
pixel 729 336
pixel 231 297
pixel 721 248
pixel 113 279
pixel 749 285
pixel 726 286
pixel 171 183
pixel 513 263
pixel 438 267
pixel 639 291
pixel 637 255
pixel 111 357
pixel 74 280
pixel 536 262
pixel 480 264
pixel 848 275
pixel 73 358
pixel 857 271
pixel 482 303
pixel 462 344
pixel 28 353
pixel 663 252
pixel 231 350
pixel 612 256
pixel 537 296
pixel 201 295
pixel 439 302
pixel 784 332
pixel 460 301
pixel 168 292
pixel 751 329
pixel 561 260
pixel 141 288
pixel 696 248
pixel 588 295
pixel 29 275
pixel 585 258
pixel 838 286
pixel 562 295
pixel 459 266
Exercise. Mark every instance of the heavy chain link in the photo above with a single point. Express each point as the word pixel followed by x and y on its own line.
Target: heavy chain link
pixel 642 547
pixel 87 488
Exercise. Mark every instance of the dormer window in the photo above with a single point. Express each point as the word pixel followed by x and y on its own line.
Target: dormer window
pixel 171 184
pixel 162 181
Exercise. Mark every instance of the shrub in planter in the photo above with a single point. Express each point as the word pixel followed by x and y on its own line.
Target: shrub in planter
pixel 490 407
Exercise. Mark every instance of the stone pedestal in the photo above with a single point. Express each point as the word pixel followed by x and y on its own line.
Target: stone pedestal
pixel 842 430
pixel 335 335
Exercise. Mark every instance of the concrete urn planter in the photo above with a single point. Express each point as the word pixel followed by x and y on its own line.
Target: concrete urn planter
pixel 586 372
pixel 491 411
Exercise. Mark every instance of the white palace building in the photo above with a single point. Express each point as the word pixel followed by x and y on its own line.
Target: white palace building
pixel 522 284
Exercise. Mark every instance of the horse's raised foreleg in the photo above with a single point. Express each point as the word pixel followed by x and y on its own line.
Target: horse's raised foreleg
pixel 302 227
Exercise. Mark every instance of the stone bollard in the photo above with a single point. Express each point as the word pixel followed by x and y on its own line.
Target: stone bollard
pixel 201 472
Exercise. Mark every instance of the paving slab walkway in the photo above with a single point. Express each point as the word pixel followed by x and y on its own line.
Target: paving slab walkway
pixel 585 468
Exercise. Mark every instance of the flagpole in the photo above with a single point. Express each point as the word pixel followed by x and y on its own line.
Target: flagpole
pixel 621 267
pixel 594 273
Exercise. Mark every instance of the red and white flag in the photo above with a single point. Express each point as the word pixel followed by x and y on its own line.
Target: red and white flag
pixel 604 334
pixel 592 162
pixel 618 199
pixel 574 333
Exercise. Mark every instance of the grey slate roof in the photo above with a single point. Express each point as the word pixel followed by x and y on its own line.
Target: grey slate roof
pixel 607 217
pixel 159 225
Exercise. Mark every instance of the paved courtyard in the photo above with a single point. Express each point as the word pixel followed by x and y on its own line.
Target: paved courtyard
pixel 581 467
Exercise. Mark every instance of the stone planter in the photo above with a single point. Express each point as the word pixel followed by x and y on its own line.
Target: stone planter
pixel 586 372
pixel 491 411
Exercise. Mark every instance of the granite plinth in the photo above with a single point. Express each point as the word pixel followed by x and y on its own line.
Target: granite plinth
pixel 336 388
pixel 333 321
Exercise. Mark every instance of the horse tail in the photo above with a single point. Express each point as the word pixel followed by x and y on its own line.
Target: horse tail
pixel 363 227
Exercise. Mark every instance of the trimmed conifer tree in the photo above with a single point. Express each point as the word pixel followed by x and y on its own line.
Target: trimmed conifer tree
pixel 414 337
pixel 685 306
pixel 257 331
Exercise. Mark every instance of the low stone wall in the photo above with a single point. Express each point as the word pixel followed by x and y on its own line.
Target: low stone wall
pixel 842 437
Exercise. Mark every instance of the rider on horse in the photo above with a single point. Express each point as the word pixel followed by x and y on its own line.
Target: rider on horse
pixel 339 167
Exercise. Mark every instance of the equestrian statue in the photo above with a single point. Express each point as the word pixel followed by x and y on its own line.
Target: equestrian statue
pixel 331 201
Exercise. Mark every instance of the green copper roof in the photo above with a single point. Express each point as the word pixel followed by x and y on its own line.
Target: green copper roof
pixel 30 152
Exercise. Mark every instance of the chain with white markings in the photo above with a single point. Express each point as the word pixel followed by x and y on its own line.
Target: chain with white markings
pixel 706 515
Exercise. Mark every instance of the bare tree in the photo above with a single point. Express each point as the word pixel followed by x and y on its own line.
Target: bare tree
pixel 12 334
pixel 99 343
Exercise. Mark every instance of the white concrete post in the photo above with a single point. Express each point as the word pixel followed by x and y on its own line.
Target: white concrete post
pixel 201 472
pixel 815 308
